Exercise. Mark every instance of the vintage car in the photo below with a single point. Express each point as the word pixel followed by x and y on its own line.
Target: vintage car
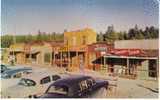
pixel 12 77
pixel 31 85
pixel 15 73
pixel 74 87
pixel 6 67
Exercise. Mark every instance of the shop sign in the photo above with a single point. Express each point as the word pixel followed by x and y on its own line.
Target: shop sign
pixel 134 52
pixel 100 49
pixel 103 53
pixel 126 51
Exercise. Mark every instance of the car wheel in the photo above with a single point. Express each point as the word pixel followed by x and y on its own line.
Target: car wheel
pixel 30 96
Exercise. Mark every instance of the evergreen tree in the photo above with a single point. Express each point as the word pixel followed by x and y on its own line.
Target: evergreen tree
pixel 100 37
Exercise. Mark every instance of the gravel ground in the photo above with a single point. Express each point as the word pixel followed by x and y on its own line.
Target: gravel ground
pixel 126 88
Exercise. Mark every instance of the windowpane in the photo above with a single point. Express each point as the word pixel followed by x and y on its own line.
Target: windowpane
pixel 18 75
pixel 47 57
pixel 45 80
pixel 55 77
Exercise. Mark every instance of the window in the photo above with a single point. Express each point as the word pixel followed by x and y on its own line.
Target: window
pixel 27 82
pixel 27 72
pixel 17 75
pixel 83 85
pixel 84 40
pixel 45 80
pixel 74 40
pixel 3 67
pixel 27 55
pixel 55 77
pixel 58 89
pixel 47 57
pixel 90 82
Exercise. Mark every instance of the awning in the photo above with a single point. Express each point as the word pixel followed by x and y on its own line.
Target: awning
pixel 34 52
pixel 16 50
pixel 129 57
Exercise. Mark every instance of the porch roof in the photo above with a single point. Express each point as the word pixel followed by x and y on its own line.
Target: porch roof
pixel 129 57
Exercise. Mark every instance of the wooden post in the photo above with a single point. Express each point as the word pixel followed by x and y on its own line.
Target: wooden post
pixel 68 59
pixel 101 63
pixel 30 58
pixel 105 63
pixel 85 60
pixel 54 58
pixel 157 68
pixel 77 58
pixel 127 65
pixel 68 56
pixel 61 59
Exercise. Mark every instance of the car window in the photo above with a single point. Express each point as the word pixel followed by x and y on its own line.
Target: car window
pixel 17 75
pixel 45 80
pixel 27 72
pixel 58 89
pixel 90 82
pixel 83 85
pixel 3 67
pixel 55 77
pixel 27 82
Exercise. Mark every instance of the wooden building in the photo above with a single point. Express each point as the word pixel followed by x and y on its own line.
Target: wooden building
pixel 133 61
pixel 17 53
pixel 39 53
pixel 74 51
pixel 97 50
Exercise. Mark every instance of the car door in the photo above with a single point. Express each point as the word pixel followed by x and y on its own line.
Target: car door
pixel 44 83
pixel 17 75
pixel 26 72
pixel 31 89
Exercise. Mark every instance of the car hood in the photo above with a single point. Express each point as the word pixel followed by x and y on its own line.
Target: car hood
pixel 6 83
pixel 17 91
pixel 101 80
pixel 53 95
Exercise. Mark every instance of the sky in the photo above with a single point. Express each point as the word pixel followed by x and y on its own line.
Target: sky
pixel 29 16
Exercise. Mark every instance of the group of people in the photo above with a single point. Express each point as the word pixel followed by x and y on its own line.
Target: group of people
pixel 123 70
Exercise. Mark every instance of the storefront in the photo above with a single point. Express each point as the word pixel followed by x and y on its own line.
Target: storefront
pixel 95 53
pixel 71 58
pixel 132 67
pixel 38 53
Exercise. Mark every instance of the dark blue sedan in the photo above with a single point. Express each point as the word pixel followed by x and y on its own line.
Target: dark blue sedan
pixel 74 87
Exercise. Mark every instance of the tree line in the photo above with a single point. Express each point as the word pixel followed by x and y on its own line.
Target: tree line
pixel 7 40
pixel 133 33
pixel 109 36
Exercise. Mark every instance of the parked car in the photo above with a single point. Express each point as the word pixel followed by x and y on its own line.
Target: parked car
pixel 31 85
pixel 15 73
pixel 5 67
pixel 74 87
pixel 12 77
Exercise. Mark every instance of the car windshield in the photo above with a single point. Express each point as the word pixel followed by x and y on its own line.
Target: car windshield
pixel 58 89
pixel 3 67
pixel 27 82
